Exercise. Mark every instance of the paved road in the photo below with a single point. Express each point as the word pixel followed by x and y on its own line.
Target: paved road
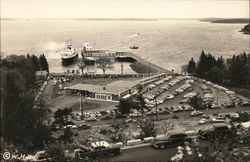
pixel 146 153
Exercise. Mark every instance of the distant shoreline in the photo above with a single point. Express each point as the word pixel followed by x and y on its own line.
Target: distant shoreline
pixel 212 20
pixel 82 19
pixel 227 20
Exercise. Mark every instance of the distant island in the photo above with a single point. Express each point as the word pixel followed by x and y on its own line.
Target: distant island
pixel 227 20
pixel 246 29
pixel 83 19
pixel 118 19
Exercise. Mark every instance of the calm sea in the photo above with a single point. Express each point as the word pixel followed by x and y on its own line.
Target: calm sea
pixel 168 43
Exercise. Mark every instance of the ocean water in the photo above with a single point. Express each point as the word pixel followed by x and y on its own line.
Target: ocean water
pixel 167 43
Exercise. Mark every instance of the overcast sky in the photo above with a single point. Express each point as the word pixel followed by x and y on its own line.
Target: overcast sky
pixel 124 8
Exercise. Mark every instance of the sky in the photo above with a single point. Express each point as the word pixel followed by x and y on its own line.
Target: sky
pixel 124 8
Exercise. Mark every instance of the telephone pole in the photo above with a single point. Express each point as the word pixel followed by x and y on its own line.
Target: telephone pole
pixel 81 106
pixel 156 108
pixel 122 68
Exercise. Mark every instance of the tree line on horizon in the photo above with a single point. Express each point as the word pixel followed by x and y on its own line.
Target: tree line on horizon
pixel 234 71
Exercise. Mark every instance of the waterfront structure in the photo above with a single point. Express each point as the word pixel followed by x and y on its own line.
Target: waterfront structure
pixel 88 51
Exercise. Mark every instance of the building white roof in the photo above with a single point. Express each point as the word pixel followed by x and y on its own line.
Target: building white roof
pixel 116 87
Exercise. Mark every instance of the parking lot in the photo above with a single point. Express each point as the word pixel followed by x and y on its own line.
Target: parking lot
pixel 170 95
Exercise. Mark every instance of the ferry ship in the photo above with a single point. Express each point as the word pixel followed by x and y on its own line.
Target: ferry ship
pixel 69 53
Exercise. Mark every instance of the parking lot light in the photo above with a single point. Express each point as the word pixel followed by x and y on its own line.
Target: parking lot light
pixel 156 109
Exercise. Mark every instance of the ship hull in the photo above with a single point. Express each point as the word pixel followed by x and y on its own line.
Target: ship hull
pixel 69 60
pixel 88 61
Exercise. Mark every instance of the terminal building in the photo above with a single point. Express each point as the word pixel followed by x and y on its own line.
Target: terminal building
pixel 110 92
pixel 88 51
pixel 113 91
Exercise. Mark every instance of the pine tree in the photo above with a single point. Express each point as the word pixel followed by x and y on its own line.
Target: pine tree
pixel 202 65
pixel 43 63
pixel 191 67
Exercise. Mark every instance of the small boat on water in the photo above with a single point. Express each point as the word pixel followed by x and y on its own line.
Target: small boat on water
pixel 134 47
pixel 69 53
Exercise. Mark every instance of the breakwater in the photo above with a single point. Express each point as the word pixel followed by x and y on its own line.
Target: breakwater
pixel 142 66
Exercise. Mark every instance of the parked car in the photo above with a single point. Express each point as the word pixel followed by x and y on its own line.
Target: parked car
pixel 128 120
pixel 150 105
pixel 169 96
pixel 178 109
pixel 90 119
pixel 196 113
pixel 184 101
pixel 203 121
pixel 230 105
pixel 187 108
pixel 106 117
pixel 160 100
pixel 97 114
pixel 70 124
pixel 99 149
pixel 172 138
pixel 215 106
pixel 84 126
pixel 119 116
pixel 151 113
pixel 164 111
pixel 104 112
pixel 175 93
pixel 245 103
pixel 218 120
pixel 214 131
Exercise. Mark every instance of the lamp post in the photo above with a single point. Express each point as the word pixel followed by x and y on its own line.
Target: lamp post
pixel 149 68
pixel 122 68
pixel 217 100
pixel 156 108
pixel 81 107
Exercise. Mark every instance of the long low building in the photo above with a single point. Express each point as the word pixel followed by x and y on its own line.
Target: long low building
pixel 110 92
pixel 113 91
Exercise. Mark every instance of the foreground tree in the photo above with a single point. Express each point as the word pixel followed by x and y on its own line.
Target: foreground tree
pixel 124 106
pixel 117 134
pixel 234 71
pixel 43 63
pixel 81 65
pixel 233 149
pixel 62 115
pixel 191 69
pixel 196 102
pixel 138 102
pixel 104 63
pixel 21 123
pixel 67 136
pixel 56 151
pixel 147 129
